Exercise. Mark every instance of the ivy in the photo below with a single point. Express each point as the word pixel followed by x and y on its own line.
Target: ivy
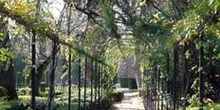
pixel 4 54
pixel 108 19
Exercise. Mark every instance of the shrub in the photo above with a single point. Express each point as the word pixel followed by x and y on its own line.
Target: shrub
pixel 3 91
pixel 4 103
pixel 117 96
pixel 24 91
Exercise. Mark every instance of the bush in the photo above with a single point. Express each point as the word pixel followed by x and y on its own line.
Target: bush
pixel 41 102
pixel 24 91
pixel 194 100
pixel 117 96
pixel 4 103
pixel 3 91
pixel 17 105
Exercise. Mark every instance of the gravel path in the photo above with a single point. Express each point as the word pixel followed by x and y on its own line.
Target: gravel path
pixel 131 101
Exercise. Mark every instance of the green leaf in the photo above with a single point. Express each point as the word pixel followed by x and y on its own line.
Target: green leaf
pixel 211 2
pixel 187 54
pixel 216 7
pixel 194 67
pixel 1 34
pixel 141 3
pixel 199 69
pixel 219 56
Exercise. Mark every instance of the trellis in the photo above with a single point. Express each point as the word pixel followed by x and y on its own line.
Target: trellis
pixel 99 83
pixel 169 91
pixel 99 80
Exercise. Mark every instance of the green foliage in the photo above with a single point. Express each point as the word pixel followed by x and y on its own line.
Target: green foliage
pixel 108 17
pixel 24 91
pixel 194 100
pixel 1 36
pixel 41 102
pixel 4 54
pixel 4 104
pixel 210 106
pixel 116 96
pixel 60 100
pixel 3 91
pixel 153 35
pixel 141 3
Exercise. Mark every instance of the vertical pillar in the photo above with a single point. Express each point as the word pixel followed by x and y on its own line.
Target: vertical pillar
pixel 201 79
pixel 85 84
pixel 52 77
pixel 95 84
pixel 91 85
pixel 69 80
pixel 166 80
pixel 175 72
pixel 69 63
pixel 158 87
pixel 184 77
pixel 99 83
pixel 162 94
pixel 79 82
pixel 33 71
pixel 155 85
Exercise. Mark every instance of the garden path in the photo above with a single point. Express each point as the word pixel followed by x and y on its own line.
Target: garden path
pixel 131 101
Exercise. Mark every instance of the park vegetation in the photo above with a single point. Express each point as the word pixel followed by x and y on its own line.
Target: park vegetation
pixel 166 38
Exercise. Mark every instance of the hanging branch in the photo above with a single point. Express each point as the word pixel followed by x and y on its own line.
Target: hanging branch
pixel 160 10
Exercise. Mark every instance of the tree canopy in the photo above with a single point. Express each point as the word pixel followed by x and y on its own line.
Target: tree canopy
pixel 108 31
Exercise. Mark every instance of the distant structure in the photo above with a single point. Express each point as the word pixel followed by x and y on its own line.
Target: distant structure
pixel 126 73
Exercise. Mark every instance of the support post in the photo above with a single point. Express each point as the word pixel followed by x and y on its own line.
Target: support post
pixel 69 63
pixel 95 85
pixel 91 85
pixel 79 82
pixel 85 84
pixel 158 87
pixel 175 72
pixel 201 79
pixel 52 77
pixel 33 71
pixel 69 80
pixel 167 72
pixel 99 83
pixel 185 78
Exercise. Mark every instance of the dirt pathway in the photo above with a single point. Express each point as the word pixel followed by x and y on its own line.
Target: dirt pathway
pixel 131 101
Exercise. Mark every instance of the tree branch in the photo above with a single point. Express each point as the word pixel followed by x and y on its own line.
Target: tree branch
pixel 30 23
pixel 156 7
